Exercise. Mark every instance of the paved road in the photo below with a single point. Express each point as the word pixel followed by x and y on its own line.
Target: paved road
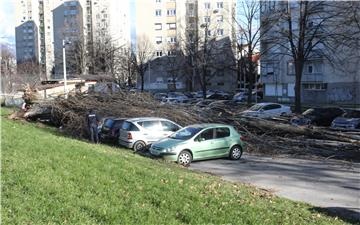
pixel 329 184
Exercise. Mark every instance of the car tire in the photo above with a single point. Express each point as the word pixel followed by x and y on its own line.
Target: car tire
pixel 235 152
pixel 184 158
pixel 139 146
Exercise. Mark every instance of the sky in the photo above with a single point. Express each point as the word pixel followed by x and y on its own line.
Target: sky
pixel 7 22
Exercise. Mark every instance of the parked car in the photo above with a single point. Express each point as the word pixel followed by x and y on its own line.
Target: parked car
pixel 219 96
pixel 267 110
pixel 110 129
pixel 160 96
pixel 137 133
pixel 204 103
pixel 243 96
pixel 350 120
pixel 317 116
pixel 180 97
pixel 198 142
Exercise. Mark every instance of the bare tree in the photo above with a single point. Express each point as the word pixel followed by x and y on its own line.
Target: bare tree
pixel 307 29
pixel 143 55
pixel 7 69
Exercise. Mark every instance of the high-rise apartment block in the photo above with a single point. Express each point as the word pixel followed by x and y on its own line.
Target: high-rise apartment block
pixel 42 25
pixel 173 24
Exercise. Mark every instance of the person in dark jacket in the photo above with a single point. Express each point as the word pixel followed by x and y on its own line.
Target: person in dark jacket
pixel 93 121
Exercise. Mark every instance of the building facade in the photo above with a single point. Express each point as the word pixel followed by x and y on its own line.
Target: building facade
pixel 181 27
pixel 42 25
pixel 324 81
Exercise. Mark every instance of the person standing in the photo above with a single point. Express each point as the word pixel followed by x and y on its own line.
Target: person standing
pixel 93 121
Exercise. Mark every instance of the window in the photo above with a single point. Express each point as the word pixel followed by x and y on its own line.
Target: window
pixel 191 6
pixel 158 40
pixel 219 18
pixel 158 53
pixel 219 5
pixel 171 12
pixel 171 53
pixel 158 26
pixel 207 5
pixel 220 32
pixel 168 126
pixel 207 19
pixel 222 132
pixel 272 106
pixel 172 39
pixel 315 86
pixel 158 12
pixel 207 135
pixel 269 69
pixel 128 126
pixel 290 68
pixel 171 26
pixel 310 69
pixel 220 83
pixel 151 125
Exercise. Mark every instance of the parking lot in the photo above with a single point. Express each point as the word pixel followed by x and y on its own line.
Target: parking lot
pixel 330 184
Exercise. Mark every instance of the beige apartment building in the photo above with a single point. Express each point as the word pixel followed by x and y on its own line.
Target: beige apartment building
pixel 169 24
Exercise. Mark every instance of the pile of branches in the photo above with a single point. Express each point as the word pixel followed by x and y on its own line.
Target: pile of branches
pixel 263 136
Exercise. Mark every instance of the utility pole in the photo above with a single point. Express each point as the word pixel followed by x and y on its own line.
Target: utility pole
pixel 64 43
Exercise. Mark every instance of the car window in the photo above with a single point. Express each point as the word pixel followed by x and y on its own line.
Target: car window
pixel 169 126
pixel 222 132
pixel 128 126
pixel 118 124
pixel 207 134
pixel 151 125
pixel 272 106
pixel 108 123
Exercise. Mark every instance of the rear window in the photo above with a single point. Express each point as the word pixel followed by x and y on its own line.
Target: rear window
pixel 222 132
pixel 108 123
pixel 128 126
pixel 118 123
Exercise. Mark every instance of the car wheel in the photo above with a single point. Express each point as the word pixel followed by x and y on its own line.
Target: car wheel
pixel 235 152
pixel 138 146
pixel 184 158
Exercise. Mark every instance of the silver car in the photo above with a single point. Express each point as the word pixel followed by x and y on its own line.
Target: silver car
pixel 137 133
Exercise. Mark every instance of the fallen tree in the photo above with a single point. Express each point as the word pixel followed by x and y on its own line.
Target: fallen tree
pixel 263 136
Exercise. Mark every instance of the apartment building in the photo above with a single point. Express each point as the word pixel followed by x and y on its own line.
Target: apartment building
pixel 42 25
pixel 171 25
pixel 323 82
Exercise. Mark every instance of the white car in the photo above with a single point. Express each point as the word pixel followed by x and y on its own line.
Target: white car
pixel 137 133
pixel 267 110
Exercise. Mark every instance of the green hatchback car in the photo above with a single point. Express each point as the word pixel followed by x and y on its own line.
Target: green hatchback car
pixel 198 142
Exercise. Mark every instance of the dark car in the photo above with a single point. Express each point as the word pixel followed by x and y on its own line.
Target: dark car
pixel 219 96
pixel 110 129
pixel 318 116
pixel 348 121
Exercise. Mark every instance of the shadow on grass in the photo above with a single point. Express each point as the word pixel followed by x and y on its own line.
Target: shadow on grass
pixel 350 215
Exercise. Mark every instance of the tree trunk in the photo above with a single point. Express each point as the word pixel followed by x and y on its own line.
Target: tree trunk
pixel 204 82
pixel 298 74
pixel 142 81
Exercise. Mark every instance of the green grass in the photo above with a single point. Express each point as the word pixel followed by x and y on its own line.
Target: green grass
pixel 48 178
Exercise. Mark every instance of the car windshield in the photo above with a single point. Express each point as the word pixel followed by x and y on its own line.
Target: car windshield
pixel 255 107
pixel 186 133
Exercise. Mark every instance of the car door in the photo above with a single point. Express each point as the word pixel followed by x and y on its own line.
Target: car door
pixel 202 147
pixel 152 130
pixel 222 141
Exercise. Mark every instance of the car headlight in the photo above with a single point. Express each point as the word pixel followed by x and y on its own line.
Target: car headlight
pixel 171 149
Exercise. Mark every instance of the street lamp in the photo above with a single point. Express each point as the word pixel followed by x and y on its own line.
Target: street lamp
pixel 64 43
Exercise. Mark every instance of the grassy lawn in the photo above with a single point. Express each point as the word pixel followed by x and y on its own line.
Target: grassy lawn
pixel 51 179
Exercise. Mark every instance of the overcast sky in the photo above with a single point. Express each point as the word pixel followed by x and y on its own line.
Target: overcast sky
pixel 7 21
